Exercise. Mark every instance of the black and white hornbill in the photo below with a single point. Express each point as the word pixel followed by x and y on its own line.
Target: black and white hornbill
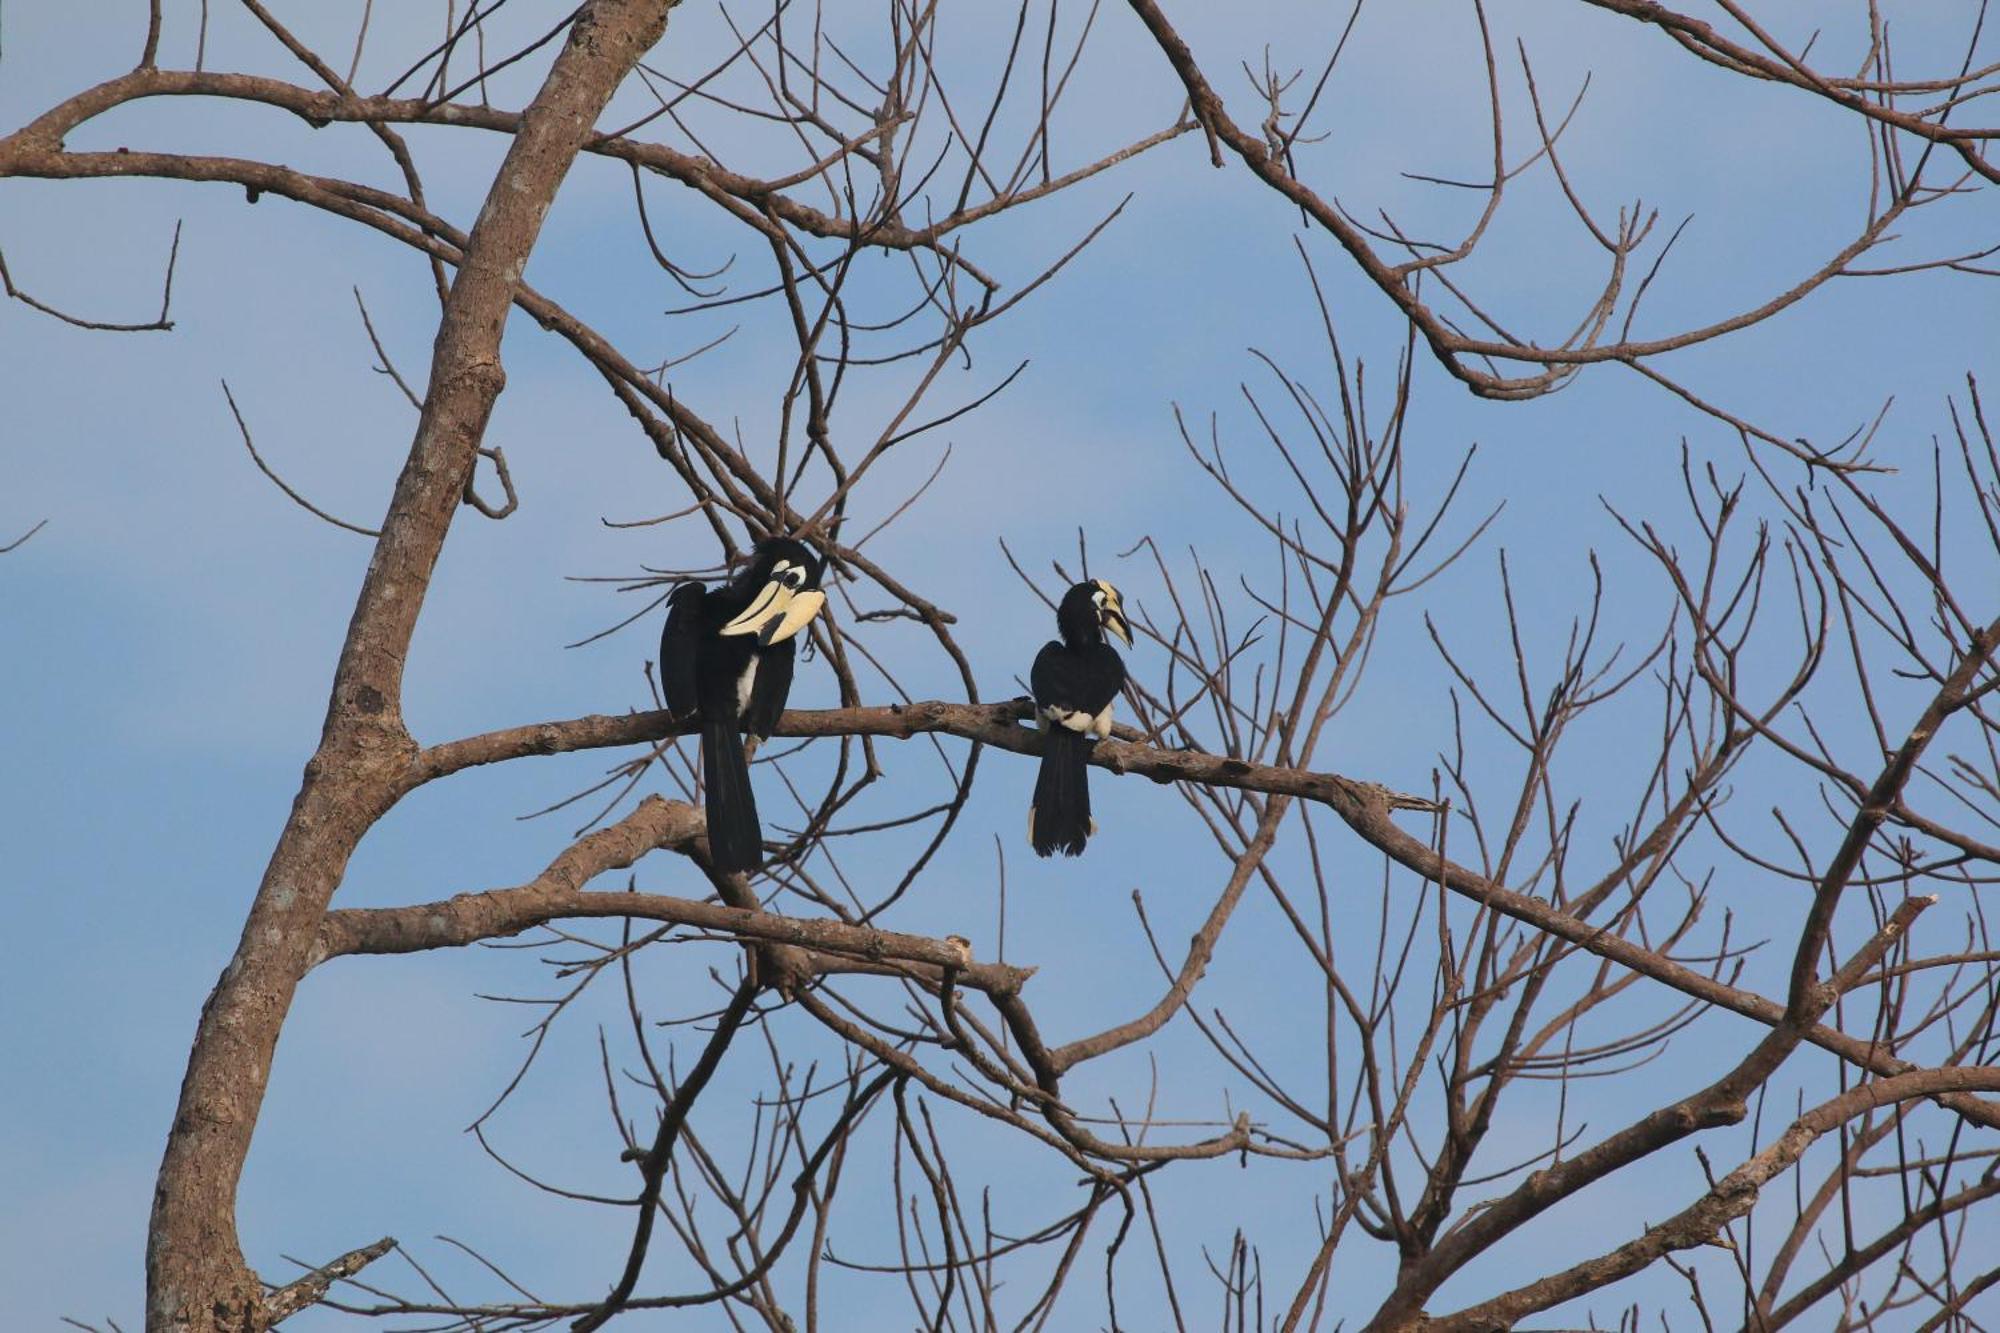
pixel 726 654
pixel 1075 682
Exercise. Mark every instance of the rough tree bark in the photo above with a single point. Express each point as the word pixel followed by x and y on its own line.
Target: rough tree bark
pixel 196 1278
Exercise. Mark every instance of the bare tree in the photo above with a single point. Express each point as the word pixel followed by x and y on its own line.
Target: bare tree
pixel 1824 651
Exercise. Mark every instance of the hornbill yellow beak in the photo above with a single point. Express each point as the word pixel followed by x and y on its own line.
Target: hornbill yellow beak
pixel 777 614
pixel 1112 615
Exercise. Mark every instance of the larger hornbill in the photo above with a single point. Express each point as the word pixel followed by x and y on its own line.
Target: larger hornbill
pixel 726 654
pixel 1075 683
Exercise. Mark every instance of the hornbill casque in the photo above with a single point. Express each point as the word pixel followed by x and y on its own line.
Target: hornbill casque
pixel 726 654
pixel 1075 682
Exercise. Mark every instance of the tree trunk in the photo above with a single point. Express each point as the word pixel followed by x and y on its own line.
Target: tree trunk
pixel 196 1277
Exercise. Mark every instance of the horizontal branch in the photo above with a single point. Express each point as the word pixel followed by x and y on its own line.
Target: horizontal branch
pixel 1367 808
pixel 556 894
pixel 995 724
pixel 320 107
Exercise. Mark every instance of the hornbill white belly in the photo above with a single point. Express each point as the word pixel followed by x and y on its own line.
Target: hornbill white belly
pixel 726 654
pixel 1076 681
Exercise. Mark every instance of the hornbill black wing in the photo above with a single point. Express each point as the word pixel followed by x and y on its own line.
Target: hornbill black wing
pixel 1076 680
pixel 1072 686
pixel 771 688
pixel 680 649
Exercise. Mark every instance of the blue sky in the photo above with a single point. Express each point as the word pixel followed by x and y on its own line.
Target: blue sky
pixel 170 635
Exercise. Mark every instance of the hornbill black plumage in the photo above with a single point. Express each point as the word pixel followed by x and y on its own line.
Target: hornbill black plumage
pixel 726 654
pixel 1075 680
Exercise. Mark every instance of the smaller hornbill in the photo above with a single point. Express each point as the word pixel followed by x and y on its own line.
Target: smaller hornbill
pixel 726 654
pixel 1075 683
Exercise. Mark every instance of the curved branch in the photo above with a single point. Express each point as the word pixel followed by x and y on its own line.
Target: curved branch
pixel 158 324
pixel 1704 41
pixel 1453 349
pixel 1730 1198
pixel 747 197
pixel 653 1167
pixel 1367 808
pixel 244 428
pixel 556 894
pixel 21 540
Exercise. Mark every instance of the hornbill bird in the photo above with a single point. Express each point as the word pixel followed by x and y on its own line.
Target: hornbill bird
pixel 1075 682
pixel 726 654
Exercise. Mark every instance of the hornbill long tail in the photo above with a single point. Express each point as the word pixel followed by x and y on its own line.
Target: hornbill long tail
pixel 1059 815
pixel 1076 681
pixel 726 655
pixel 735 839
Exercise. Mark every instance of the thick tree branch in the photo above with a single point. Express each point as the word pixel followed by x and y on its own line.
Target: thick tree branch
pixel 746 197
pixel 556 895
pixel 995 724
pixel 1366 808
pixel 196 1275
pixel 1729 1199
pixel 1723 1102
